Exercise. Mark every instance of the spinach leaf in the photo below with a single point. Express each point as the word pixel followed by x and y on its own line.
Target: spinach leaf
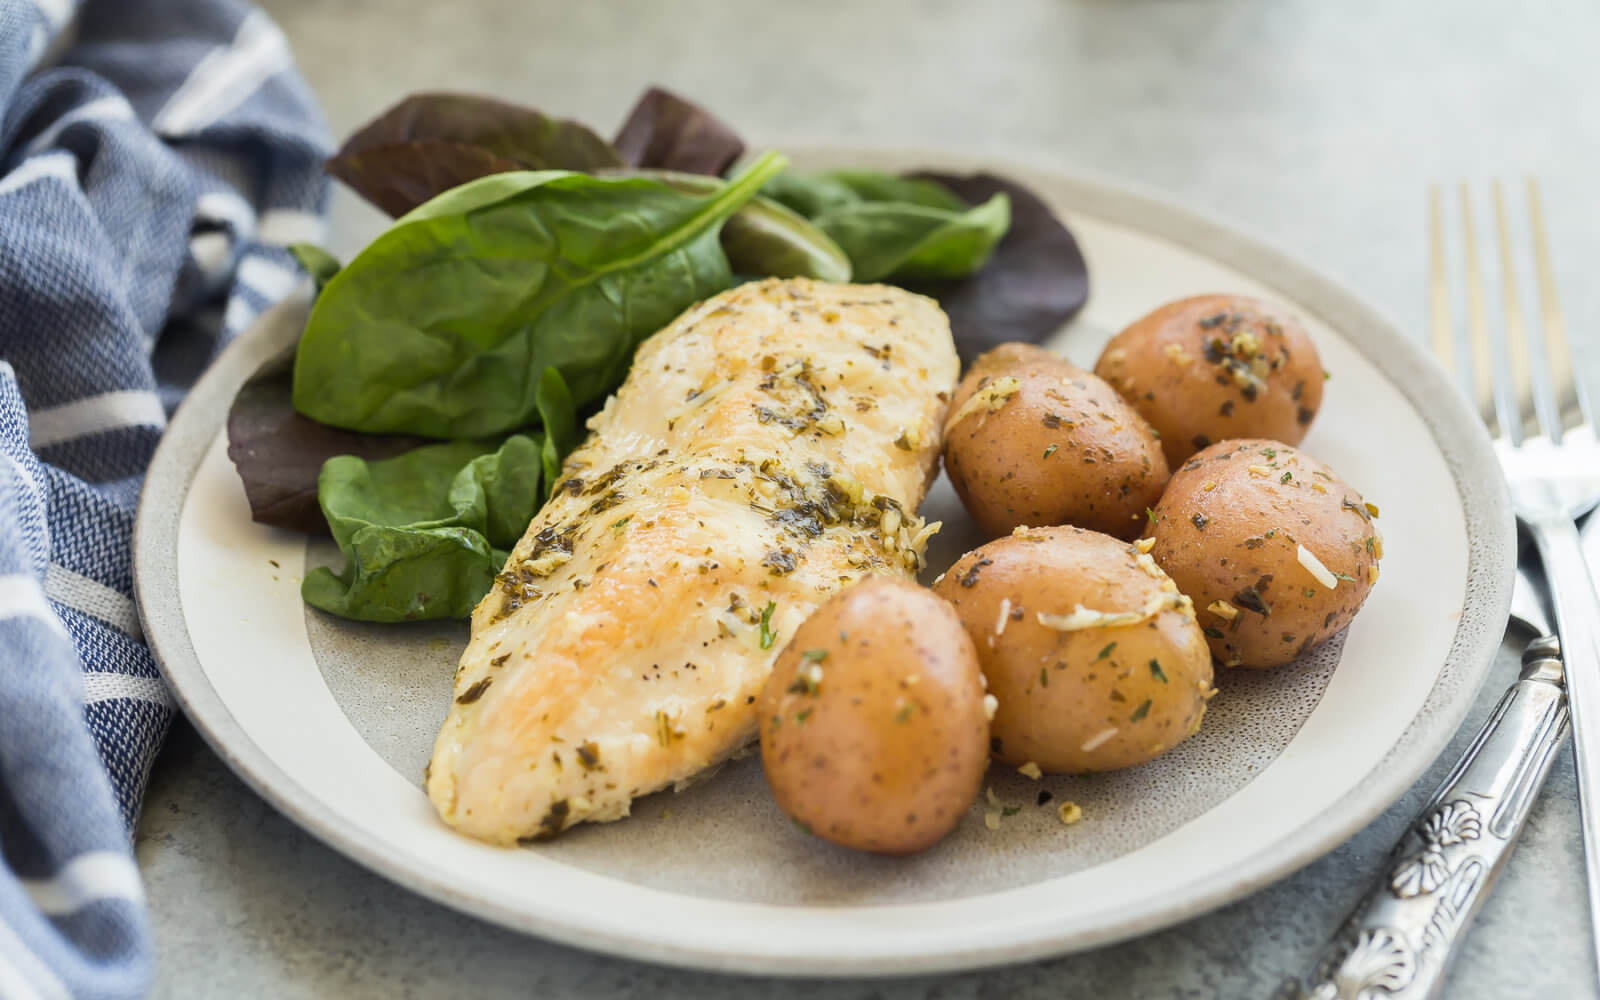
pixel 896 228
pixel 899 240
pixel 431 142
pixel 763 238
pixel 425 533
pixel 1035 281
pixel 560 419
pixel 279 453
pixel 315 261
pixel 437 326
pixel 666 131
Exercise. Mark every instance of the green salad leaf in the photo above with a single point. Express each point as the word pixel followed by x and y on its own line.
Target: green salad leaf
pixel 437 327
pixel 560 419
pixel 424 534
pixel 315 261
pixel 894 227
pixel 764 237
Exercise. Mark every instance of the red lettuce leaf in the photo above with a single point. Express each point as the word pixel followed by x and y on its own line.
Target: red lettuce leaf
pixel 666 132
pixel 279 453
pixel 1035 281
pixel 429 143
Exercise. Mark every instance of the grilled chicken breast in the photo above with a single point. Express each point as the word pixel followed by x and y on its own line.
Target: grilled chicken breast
pixel 768 447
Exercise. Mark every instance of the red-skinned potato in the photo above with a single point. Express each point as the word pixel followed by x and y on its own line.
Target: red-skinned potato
pixel 874 732
pixel 1032 439
pixel 1276 551
pixel 1093 655
pixel 1217 367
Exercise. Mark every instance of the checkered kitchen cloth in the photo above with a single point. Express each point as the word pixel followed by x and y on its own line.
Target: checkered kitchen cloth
pixel 155 157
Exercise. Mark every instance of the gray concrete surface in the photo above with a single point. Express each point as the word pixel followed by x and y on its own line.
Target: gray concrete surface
pixel 1318 125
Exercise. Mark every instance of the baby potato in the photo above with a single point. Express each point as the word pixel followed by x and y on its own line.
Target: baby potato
pixel 1031 439
pixel 1217 367
pixel 1277 552
pixel 1093 654
pixel 874 731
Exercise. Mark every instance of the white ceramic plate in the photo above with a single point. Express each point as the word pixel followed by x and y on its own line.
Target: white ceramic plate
pixel 332 722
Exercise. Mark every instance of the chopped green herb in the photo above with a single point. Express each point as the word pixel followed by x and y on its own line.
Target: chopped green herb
pixel 767 635
pixel 1372 547
pixel 801 825
pixel 815 655
pixel 1010 810
pixel 619 522
pixel 1107 651
pixel 1214 633
pixel 1157 672
pixel 1343 576
pixel 1270 452
pixel 1044 677
pixel 1140 712
pixel 1286 477
pixel 1151 515
pixel 1050 450
pixel 801 717
pixel 904 714
pixel 1270 532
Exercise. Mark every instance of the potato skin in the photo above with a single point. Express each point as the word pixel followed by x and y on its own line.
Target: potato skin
pixel 1062 448
pixel 1217 367
pixel 884 745
pixel 1091 699
pixel 1229 529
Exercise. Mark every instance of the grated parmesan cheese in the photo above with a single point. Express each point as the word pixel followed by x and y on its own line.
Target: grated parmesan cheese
pixel 1005 616
pixel 1314 566
pixel 991 704
pixel 1222 609
pixel 1145 544
pixel 1097 739
pixel 1030 770
pixel 988 399
pixel 1069 812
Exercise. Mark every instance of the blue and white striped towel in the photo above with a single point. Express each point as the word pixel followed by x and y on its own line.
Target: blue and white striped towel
pixel 155 157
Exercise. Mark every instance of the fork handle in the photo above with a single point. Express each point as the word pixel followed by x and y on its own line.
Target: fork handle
pixel 1578 623
pixel 1399 941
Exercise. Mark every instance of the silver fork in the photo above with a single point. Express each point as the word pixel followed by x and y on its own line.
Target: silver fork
pixel 1545 439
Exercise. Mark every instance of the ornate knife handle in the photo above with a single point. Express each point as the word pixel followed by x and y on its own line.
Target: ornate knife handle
pixel 1401 938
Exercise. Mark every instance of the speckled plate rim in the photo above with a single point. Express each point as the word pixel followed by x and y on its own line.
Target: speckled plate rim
pixel 1458 434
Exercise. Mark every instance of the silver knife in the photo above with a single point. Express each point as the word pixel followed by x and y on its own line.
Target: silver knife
pixel 1399 941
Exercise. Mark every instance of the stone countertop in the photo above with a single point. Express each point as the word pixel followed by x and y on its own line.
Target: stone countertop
pixel 1317 125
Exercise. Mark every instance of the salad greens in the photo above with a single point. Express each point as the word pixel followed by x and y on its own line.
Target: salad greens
pixel 505 276
pixel 1035 281
pixel 425 533
pixel 430 143
pixel 315 261
pixel 896 228
pixel 670 133
pixel 528 259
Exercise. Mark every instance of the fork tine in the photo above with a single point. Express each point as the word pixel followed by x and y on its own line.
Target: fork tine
pixel 1516 345
pixel 1477 320
pixel 1444 340
pixel 1569 398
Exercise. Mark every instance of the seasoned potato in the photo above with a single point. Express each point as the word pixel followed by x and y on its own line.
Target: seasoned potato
pixel 1277 552
pixel 1034 440
pixel 874 732
pixel 1093 654
pixel 1217 367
